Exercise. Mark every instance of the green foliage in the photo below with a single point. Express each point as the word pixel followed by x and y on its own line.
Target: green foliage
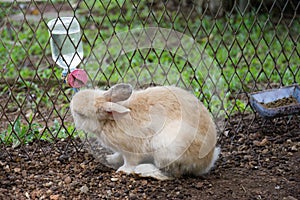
pixel 24 132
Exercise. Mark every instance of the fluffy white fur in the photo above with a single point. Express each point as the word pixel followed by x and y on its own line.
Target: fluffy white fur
pixel 161 132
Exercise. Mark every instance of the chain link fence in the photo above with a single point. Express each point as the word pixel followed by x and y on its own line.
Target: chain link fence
pixel 220 50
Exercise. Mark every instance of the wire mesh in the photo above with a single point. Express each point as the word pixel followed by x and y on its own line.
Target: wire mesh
pixel 239 47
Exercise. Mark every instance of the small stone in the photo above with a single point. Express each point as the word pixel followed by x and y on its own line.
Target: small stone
pixel 211 192
pixel 294 148
pixel 31 187
pixel 54 197
pixel 289 198
pixel 51 172
pixel 179 187
pixel 132 196
pixel 226 133
pixel 6 168
pixel 256 143
pixel 264 142
pixel 63 158
pixel 17 170
pixel 289 141
pixel 49 192
pixel 56 162
pixel 74 183
pixel 265 151
pixel 68 180
pixel 27 195
pixel 36 176
pixel 109 192
pixel 24 173
pixel 260 143
pixel 144 182
pixel 199 185
pixel 114 179
pixel 241 140
pixel 253 136
pixel 82 165
pixel 117 194
pixel 2 163
pixel 84 189
pixel 48 184
pixel 86 156
pixel 35 194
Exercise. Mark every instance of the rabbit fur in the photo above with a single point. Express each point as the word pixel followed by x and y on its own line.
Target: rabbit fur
pixel 161 132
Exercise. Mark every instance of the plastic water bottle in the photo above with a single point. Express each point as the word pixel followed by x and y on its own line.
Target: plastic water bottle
pixel 65 42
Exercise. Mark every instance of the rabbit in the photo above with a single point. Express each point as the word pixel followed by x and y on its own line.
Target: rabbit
pixel 162 132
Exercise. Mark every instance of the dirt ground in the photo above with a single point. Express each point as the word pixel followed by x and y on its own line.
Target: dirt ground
pixel 260 161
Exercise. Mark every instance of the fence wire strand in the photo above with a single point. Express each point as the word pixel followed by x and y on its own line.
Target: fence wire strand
pixel 244 46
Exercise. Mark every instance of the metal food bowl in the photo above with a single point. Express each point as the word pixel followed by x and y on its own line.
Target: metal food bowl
pixel 259 100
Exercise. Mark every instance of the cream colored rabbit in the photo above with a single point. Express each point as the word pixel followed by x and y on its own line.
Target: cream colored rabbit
pixel 160 132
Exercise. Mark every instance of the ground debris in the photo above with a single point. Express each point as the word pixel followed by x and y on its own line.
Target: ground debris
pixel 287 101
pixel 262 164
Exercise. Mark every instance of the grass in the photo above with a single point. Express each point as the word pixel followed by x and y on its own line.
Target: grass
pixel 21 132
pixel 242 54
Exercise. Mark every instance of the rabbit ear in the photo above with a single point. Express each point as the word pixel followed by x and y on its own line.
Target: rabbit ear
pixel 119 92
pixel 114 107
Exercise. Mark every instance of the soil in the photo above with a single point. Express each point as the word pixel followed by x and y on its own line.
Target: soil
pixel 287 101
pixel 258 161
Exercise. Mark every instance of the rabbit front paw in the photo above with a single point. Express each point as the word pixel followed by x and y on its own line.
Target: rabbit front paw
pixel 126 169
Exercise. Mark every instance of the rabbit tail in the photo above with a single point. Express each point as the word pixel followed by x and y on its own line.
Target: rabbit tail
pixel 214 158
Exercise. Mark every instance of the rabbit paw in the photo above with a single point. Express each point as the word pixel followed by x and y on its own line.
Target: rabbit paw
pixel 115 159
pixel 149 170
pixel 126 169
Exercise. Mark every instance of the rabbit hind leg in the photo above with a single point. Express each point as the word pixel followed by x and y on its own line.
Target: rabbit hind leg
pixel 150 170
